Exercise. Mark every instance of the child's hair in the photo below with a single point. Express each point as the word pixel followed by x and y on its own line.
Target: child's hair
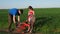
pixel 30 7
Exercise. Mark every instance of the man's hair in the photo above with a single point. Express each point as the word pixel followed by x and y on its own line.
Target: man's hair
pixel 30 7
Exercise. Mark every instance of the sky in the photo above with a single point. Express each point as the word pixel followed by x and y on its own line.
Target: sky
pixel 7 4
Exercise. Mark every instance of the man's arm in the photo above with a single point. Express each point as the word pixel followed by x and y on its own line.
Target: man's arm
pixel 18 18
pixel 19 15
pixel 14 19
pixel 19 11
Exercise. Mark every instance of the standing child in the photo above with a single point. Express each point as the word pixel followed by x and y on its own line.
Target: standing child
pixel 31 17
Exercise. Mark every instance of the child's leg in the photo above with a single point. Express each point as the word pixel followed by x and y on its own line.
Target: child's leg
pixel 29 20
pixel 32 23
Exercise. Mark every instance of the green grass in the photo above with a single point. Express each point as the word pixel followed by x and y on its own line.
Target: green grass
pixel 47 20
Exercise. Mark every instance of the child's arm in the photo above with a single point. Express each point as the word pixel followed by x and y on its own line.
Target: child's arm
pixel 33 13
pixel 28 14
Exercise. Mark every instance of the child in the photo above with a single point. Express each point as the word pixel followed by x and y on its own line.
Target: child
pixel 31 17
pixel 22 26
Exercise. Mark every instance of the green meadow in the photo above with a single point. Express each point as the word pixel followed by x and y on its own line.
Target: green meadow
pixel 47 20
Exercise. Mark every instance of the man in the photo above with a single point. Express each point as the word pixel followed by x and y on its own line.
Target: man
pixel 12 17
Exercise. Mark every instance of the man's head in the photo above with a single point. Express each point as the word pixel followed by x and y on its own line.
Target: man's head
pixel 20 11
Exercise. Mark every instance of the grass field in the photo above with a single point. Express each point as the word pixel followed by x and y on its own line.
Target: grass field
pixel 47 20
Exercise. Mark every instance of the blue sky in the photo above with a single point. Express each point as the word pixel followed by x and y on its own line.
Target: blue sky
pixel 5 4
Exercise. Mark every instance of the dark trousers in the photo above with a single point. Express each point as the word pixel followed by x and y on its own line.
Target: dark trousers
pixel 10 21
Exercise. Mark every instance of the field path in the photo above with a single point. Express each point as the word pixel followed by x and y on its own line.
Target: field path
pixel 7 32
